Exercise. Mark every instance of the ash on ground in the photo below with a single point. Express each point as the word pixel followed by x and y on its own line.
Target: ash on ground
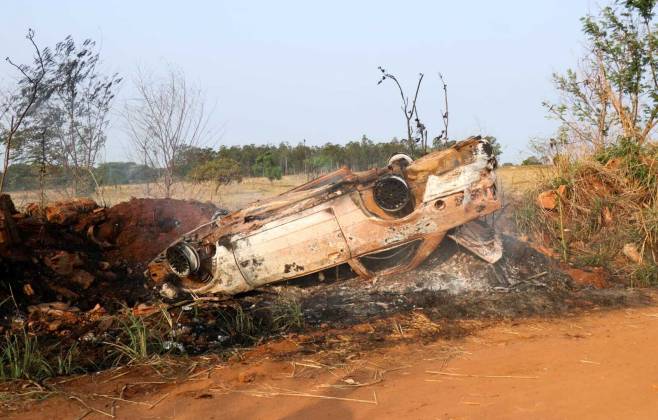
pixel 451 284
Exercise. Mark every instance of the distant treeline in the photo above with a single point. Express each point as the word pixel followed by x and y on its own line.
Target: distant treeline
pixel 227 162
pixel 357 155
pixel 26 176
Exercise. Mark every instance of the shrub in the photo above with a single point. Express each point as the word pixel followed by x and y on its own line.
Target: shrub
pixel 532 160
pixel 221 171
pixel 608 202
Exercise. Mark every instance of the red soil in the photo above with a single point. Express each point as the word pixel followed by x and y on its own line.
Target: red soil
pixel 142 227
pixel 599 365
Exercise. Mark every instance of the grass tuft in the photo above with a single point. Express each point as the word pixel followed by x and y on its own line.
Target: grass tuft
pixel 287 314
pixel 22 358
pixel 67 361
pixel 238 323
pixel 138 340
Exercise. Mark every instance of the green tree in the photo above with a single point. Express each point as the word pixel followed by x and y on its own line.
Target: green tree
pixel 190 157
pixel 265 166
pixel 220 171
pixel 318 164
pixel 532 160
pixel 614 92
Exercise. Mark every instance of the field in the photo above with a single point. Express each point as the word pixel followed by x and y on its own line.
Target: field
pixel 232 196
pixel 518 179
pixel 513 179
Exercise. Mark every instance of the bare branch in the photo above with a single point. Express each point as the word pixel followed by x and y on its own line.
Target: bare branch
pixel 408 113
pixel 17 120
pixel 165 118
pixel 444 114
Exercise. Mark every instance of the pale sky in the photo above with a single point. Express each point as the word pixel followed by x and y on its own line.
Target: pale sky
pixel 291 70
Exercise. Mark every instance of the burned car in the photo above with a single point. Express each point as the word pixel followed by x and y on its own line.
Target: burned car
pixel 380 221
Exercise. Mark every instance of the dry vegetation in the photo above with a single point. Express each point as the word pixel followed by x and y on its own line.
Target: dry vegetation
pixel 513 181
pixel 599 207
pixel 605 212
pixel 232 196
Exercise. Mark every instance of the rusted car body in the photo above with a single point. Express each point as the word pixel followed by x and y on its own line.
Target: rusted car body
pixel 398 214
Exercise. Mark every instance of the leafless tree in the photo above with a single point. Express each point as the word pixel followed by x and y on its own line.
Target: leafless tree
pixel 17 106
pixel 409 110
pixel 166 117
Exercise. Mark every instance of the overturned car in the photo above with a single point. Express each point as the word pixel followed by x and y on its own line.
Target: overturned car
pixel 380 221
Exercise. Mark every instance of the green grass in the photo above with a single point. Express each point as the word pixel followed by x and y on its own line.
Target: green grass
pixel 66 362
pixel 287 314
pixel 137 341
pixel 244 322
pixel 591 260
pixel 645 275
pixel 21 357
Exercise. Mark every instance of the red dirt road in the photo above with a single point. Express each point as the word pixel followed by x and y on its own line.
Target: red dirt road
pixel 597 365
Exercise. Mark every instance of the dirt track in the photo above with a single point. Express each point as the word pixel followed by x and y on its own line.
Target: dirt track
pixel 600 364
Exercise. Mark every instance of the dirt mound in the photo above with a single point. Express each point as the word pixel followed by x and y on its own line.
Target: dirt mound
pixel 599 214
pixel 79 254
pixel 141 228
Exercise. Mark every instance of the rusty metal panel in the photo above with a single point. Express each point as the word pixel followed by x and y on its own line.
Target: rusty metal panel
pixel 480 239
pixel 302 246
pixel 227 272
pixel 458 179
pixel 365 234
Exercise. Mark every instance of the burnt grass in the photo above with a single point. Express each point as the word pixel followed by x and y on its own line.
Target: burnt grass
pixel 452 288
pixel 523 284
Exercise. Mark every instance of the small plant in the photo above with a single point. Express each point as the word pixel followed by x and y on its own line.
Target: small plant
pixel 597 257
pixel 287 314
pixel 66 361
pixel 137 341
pixel 238 323
pixel 243 322
pixel 645 275
pixel 22 358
